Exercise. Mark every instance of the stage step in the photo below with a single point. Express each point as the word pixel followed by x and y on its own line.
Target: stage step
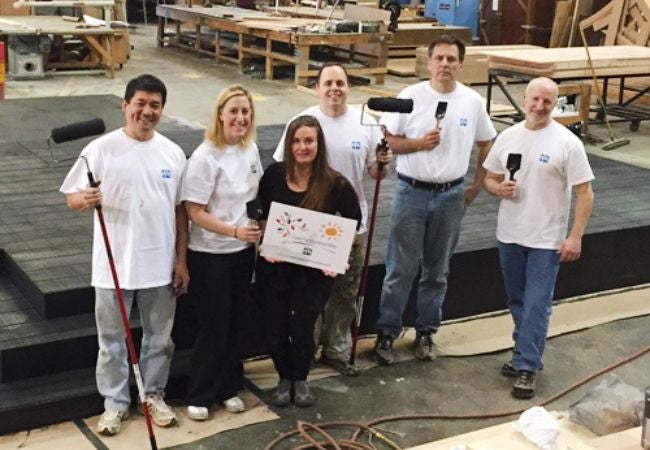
pixel 71 395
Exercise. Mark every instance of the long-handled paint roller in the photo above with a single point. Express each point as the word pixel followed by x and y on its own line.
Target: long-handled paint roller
pixel 614 142
pixel 397 105
pixel 77 131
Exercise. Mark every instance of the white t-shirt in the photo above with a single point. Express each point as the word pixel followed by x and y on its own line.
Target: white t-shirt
pixel 553 161
pixel 140 184
pixel 465 122
pixel 224 180
pixel 350 148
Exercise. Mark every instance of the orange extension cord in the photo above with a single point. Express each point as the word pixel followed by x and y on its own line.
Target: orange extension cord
pixel 327 442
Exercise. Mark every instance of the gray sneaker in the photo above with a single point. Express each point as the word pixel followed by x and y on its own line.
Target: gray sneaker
pixel 524 385
pixel 160 412
pixel 425 349
pixel 303 396
pixel 110 422
pixel 383 352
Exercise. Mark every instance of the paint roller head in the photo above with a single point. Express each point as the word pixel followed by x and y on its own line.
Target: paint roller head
pixel 616 143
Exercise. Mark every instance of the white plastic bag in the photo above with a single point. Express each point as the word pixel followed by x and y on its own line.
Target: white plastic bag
pixel 539 427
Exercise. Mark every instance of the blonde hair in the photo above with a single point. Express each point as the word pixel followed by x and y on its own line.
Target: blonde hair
pixel 214 132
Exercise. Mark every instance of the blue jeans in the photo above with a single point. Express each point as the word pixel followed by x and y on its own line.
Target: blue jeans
pixel 157 307
pixel 424 229
pixel 529 276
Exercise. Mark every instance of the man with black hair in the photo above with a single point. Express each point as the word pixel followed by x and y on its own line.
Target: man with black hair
pixel 140 173
pixel 429 200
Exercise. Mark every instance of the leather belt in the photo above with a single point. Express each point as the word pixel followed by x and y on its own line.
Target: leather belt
pixel 438 187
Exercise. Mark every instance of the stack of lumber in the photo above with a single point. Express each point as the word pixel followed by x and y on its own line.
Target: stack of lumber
pixel 475 66
pixel 251 18
pixel 567 63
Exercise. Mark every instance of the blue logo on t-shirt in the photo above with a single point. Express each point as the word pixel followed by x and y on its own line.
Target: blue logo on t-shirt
pixel 356 145
pixel 166 174
pixel 543 157
pixel 463 122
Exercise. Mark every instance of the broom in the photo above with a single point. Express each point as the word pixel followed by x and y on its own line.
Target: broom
pixel 614 142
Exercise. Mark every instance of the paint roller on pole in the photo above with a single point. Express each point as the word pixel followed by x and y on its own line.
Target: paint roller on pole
pixel 77 131
pixel 384 104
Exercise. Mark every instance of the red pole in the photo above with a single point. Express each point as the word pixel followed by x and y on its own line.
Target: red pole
pixel 361 295
pixel 125 320
pixel 2 70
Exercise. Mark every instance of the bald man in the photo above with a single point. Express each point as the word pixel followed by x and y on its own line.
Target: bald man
pixel 533 221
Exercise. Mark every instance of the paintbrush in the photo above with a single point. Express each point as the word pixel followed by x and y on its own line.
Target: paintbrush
pixel 513 164
pixel 441 110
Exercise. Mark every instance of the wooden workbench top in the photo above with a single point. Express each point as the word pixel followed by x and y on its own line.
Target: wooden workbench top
pixel 47 25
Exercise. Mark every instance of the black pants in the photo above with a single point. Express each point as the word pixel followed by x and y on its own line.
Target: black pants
pixel 294 298
pixel 219 286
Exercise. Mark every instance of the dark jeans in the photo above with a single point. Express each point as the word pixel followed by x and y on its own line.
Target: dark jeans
pixel 219 286
pixel 294 298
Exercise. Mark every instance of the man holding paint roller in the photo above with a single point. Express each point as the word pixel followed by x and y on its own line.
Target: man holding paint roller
pixel 433 147
pixel 140 173
pixel 532 168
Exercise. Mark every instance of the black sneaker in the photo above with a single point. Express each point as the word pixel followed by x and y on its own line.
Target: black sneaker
pixel 508 370
pixel 383 352
pixel 425 350
pixel 524 386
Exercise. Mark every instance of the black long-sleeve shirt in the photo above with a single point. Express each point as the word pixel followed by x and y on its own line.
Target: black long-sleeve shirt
pixel 341 199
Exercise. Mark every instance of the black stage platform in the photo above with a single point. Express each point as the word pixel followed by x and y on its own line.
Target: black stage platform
pixel 47 333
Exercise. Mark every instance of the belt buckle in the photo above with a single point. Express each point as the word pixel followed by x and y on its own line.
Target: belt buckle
pixel 445 186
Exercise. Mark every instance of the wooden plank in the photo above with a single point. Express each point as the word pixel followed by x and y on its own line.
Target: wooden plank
pixel 560 20
pixel 578 73
pixel 365 13
pixel 572 58
pixel 404 67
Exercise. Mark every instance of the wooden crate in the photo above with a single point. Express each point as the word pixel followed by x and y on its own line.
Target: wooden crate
pixel 7 9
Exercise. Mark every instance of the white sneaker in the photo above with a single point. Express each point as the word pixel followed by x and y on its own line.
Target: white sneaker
pixel 197 412
pixel 110 422
pixel 234 405
pixel 161 414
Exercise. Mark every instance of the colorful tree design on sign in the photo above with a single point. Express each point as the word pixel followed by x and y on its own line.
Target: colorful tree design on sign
pixel 287 225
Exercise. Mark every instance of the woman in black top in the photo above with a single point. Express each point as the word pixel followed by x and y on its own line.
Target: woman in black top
pixel 295 295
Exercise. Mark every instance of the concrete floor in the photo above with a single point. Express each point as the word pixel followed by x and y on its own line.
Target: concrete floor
pixel 447 385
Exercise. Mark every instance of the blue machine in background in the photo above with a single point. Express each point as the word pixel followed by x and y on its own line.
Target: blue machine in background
pixel 462 13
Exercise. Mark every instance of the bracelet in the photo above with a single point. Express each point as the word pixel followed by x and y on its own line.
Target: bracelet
pixel 235 233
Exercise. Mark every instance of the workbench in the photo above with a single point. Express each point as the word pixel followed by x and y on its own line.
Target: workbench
pixel 567 64
pixel 409 35
pixel 278 40
pixel 106 47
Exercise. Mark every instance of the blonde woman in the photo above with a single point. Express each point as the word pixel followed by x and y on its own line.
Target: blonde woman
pixel 222 175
